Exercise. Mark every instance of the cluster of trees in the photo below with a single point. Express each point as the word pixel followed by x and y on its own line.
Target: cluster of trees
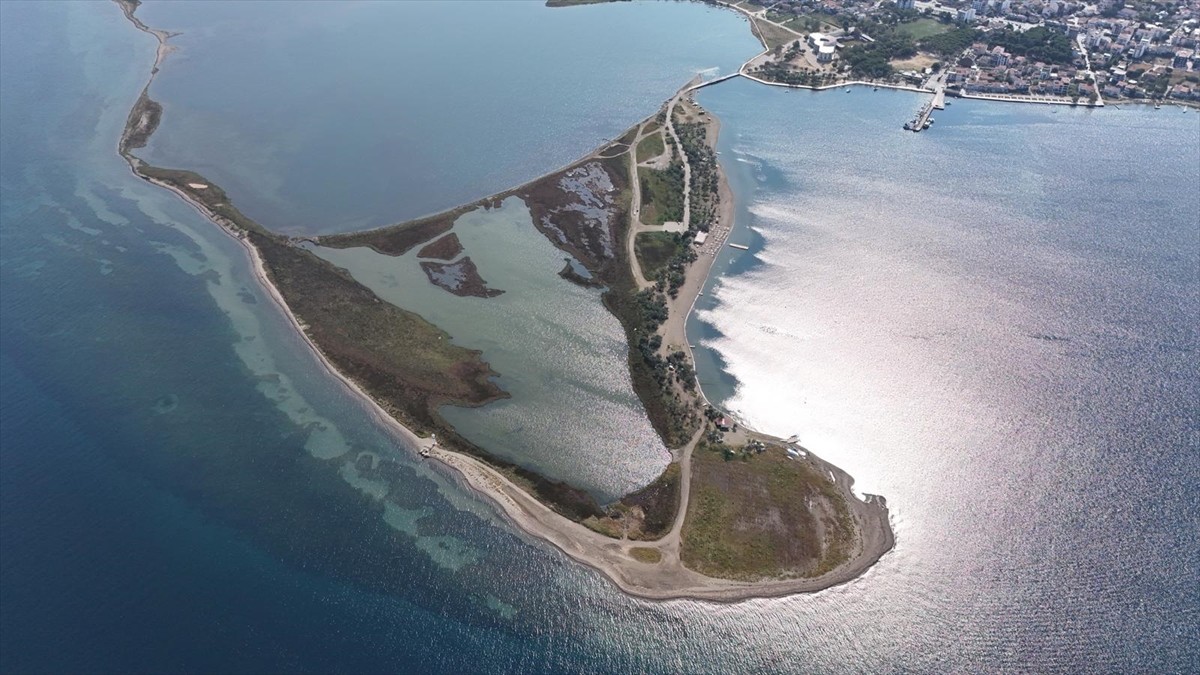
pixel 705 198
pixel 792 52
pixel 951 42
pixel 652 307
pixel 870 59
pixel 672 276
pixel 780 72
pixel 1155 86
pixel 1035 44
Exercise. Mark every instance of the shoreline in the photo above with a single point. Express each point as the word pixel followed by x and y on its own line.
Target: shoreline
pixel 666 580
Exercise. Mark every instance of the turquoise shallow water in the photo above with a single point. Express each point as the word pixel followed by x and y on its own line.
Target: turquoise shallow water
pixel 1000 341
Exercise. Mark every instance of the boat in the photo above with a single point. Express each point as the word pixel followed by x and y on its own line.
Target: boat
pixel 875 89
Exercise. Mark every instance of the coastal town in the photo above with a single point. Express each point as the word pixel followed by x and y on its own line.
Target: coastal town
pixel 1048 51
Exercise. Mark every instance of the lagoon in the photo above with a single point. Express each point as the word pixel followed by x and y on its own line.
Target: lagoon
pixel 1039 454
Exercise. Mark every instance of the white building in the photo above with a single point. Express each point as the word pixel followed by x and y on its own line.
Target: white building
pixel 1141 48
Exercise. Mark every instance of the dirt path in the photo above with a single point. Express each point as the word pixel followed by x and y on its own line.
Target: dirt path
pixel 635 212
pixel 687 168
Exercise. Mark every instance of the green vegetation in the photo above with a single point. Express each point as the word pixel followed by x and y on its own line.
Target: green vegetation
pixel 1036 44
pixel 396 240
pixel 655 250
pixel 445 248
pixel 409 366
pixel 673 416
pixel 760 515
pixel 662 194
pixel 650 147
pixel 211 196
pixel 871 59
pixel 902 41
pixel 646 555
pixel 628 136
pixel 705 199
pixel 950 43
pixel 775 71
pixel 771 35
pixel 922 28
pixel 143 118
pixel 640 314
pixel 402 359
pixel 655 506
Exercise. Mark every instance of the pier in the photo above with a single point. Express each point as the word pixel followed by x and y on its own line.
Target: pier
pixel 924 118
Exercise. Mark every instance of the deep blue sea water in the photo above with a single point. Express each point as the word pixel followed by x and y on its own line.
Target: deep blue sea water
pixel 164 504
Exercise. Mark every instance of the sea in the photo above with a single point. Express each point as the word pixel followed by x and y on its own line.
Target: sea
pixel 994 324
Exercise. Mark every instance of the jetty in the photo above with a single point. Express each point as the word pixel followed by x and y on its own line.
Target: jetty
pixel 922 120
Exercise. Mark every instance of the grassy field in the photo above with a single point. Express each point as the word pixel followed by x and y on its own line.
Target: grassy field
pixel 922 28
pixel 763 516
pixel 650 147
pixel 662 194
pixel 774 36
pixel 646 555
pixel 654 250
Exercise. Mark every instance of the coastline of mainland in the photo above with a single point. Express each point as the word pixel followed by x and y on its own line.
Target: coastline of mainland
pixel 648 568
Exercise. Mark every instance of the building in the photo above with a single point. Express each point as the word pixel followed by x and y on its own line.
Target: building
pixel 906 4
pixel 825 53
pixel 818 40
pixel 1142 46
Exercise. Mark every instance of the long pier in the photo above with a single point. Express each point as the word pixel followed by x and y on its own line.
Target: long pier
pixel 709 83
pixel 924 115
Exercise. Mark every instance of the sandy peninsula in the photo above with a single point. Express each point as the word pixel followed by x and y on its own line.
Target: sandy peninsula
pixel 654 568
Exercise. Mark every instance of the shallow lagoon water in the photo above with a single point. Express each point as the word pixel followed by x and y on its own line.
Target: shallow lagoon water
pixel 121 373
pixel 560 354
